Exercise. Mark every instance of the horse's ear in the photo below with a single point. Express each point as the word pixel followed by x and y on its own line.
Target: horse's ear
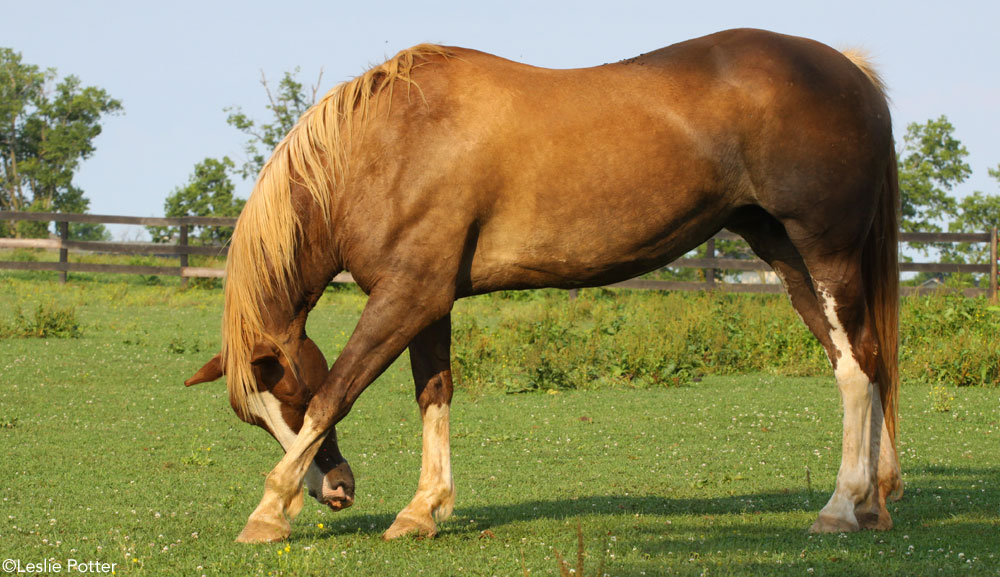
pixel 210 372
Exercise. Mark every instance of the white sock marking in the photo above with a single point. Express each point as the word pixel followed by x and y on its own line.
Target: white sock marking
pixel 286 437
pixel 855 480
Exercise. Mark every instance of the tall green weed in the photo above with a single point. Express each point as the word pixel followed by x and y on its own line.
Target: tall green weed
pixel 627 339
pixel 609 338
pixel 47 320
pixel 950 340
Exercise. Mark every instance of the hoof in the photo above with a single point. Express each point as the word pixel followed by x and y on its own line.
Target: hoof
pixel 295 507
pixel 265 531
pixel 408 525
pixel 875 521
pixel 444 510
pixel 827 524
pixel 897 492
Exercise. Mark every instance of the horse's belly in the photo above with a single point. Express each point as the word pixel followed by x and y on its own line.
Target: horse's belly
pixel 587 248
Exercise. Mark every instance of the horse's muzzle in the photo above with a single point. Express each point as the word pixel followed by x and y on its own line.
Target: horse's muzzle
pixel 337 499
pixel 338 488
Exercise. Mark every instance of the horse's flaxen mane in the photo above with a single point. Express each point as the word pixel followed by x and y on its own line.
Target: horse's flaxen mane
pixel 261 265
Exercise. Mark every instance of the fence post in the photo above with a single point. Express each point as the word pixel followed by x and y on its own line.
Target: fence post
pixel 63 251
pixel 710 272
pixel 184 256
pixel 993 264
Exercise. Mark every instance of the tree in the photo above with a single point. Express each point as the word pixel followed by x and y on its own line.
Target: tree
pixel 931 164
pixel 209 192
pixel 210 189
pixel 47 129
pixel 978 212
pixel 287 105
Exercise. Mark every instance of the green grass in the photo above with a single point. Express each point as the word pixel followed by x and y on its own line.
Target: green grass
pixel 108 457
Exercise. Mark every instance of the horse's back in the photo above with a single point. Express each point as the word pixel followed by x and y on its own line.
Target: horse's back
pixel 776 97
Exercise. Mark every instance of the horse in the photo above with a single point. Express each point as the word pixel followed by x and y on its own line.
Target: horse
pixel 447 172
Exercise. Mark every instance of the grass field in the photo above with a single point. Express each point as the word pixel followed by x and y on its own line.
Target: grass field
pixel 108 457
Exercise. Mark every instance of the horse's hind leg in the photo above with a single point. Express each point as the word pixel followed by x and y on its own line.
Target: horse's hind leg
pixel 430 354
pixel 856 502
pixel 826 290
pixel 768 239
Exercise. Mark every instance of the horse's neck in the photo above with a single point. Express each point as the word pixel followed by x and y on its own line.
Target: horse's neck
pixel 285 318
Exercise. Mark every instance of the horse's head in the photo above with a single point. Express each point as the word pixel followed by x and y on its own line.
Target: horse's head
pixel 284 392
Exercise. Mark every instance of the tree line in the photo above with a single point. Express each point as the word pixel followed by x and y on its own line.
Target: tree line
pixel 47 128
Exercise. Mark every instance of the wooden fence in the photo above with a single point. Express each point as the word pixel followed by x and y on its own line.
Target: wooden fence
pixel 710 264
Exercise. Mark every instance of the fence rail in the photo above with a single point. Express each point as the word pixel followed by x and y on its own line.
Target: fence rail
pixel 710 264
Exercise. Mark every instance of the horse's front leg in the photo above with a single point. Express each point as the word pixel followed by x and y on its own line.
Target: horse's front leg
pixel 430 354
pixel 390 321
pixel 283 498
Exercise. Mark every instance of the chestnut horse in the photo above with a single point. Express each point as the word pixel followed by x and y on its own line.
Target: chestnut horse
pixel 447 172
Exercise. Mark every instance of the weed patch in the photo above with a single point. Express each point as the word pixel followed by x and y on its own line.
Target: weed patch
pixel 950 340
pixel 48 320
pixel 941 399
pixel 628 339
pixel 199 457
pixel 181 345
pixel 636 339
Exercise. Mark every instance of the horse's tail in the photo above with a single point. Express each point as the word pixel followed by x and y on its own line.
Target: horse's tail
pixel 881 278
pixel 880 269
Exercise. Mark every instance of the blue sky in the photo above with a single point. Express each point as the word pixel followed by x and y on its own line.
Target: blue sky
pixel 176 65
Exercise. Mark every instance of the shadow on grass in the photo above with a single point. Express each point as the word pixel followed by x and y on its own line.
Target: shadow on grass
pixel 947 496
pixel 945 510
